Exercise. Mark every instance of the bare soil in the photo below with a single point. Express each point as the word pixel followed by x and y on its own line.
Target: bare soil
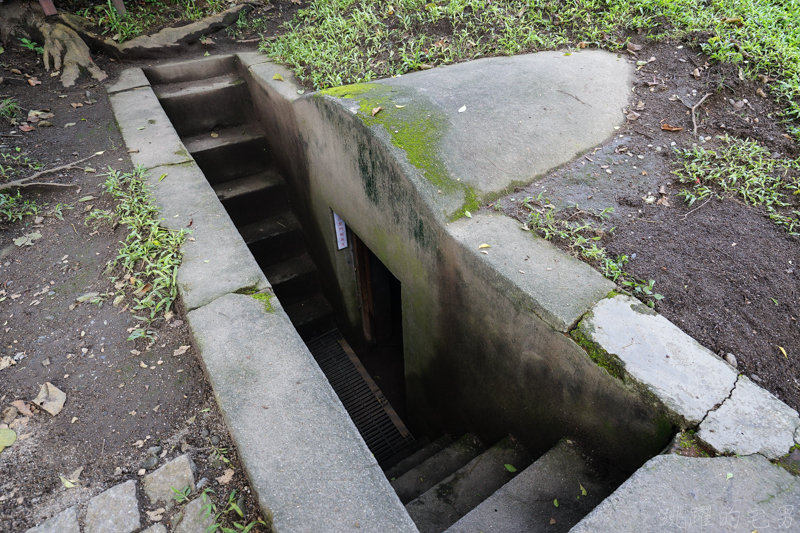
pixel 721 266
pixel 123 397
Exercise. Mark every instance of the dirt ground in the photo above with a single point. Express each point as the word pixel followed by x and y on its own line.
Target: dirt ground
pixel 123 397
pixel 728 274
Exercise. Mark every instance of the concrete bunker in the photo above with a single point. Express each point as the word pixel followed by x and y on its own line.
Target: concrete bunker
pixel 488 365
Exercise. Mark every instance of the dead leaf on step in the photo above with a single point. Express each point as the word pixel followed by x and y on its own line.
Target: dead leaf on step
pixel 484 245
pixel 277 77
pixel 180 351
pixel 634 47
pixel 51 399
pixel 667 127
pixel 376 110
pixel 215 135
pixel 226 477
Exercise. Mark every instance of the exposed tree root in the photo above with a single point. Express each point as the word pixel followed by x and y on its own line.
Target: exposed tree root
pixel 26 182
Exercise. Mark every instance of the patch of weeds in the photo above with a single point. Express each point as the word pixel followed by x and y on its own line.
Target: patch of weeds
pixel 13 207
pixel 688 446
pixel 746 170
pixel 10 110
pixel 181 496
pixel 58 210
pixel 31 45
pixel 581 232
pixel 247 24
pixel 228 512
pixel 142 333
pixel 150 255
pixel 14 164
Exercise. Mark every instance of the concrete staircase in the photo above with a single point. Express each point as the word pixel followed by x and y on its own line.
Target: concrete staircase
pixel 210 107
pixel 463 486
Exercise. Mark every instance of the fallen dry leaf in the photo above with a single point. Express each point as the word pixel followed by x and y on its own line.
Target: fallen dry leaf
pixel 76 105
pixel 667 127
pixel 6 362
pixel 696 73
pixel 156 515
pixel 376 110
pixel 181 350
pixel 33 82
pixel 226 477
pixel 22 407
pixel 26 127
pixel 632 115
pixel 51 399
pixel 277 77
pixel 760 92
pixel 634 47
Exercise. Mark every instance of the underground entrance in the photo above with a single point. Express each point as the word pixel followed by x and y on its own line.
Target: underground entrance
pixel 457 387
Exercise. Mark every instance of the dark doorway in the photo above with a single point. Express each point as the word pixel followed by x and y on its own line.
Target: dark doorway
pixel 381 349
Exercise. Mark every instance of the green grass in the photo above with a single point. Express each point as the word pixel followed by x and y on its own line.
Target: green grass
pixel 746 170
pixel 581 231
pixel 9 109
pixel 336 42
pixel 13 207
pixel 147 262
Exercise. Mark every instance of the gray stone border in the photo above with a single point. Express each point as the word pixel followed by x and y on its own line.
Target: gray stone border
pixel 644 350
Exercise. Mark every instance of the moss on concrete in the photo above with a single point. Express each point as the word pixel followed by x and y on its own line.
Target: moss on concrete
pixel 264 297
pixel 602 358
pixel 415 126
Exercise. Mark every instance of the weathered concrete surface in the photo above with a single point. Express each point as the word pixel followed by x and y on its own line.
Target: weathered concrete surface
pixel 526 502
pixel 306 461
pixel 131 78
pixel 157 528
pixel 558 288
pixel 194 518
pixel 524 114
pixel 177 474
pixel 686 377
pixel 217 252
pixel 114 511
pixel 675 493
pixel 751 421
pixel 146 128
pixel 64 522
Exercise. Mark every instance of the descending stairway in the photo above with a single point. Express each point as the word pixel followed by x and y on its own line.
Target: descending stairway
pixel 463 486
pixel 210 107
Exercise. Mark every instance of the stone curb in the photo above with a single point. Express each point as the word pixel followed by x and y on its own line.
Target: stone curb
pixel 277 428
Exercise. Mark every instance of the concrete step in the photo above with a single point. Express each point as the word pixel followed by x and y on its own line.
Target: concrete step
pixel 310 316
pixel 416 458
pixel 458 494
pixel 294 279
pixel 274 239
pixel 431 471
pixel 195 69
pixel 526 503
pixel 200 106
pixel 253 198
pixel 233 152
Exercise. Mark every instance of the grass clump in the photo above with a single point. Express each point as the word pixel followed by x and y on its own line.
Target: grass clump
pixel 13 207
pixel 746 170
pixel 10 110
pixel 581 231
pixel 147 262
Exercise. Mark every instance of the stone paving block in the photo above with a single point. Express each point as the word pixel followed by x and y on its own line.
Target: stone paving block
pixel 156 528
pixel 751 421
pixel 194 519
pixel 559 288
pixel 114 511
pixel 131 78
pixel 178 474
pixel 145 127
pixel 309 479
pixel 218 261
pixel 64 522
pixel 720 494
pixel 685 376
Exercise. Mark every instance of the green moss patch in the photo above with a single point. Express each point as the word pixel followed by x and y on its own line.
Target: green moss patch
pixel 416 126
pixel 265 298
pixel 602 358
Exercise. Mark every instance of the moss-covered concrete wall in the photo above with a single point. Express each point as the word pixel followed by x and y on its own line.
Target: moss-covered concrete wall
pixel 476 358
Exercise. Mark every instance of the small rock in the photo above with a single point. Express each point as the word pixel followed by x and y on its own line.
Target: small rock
pixel 185 447
pixel 64 522
pixel 114 511
pixel 731 359
pixel 46 362
pixel 177 473
pixel 141 471
pixel 214 440
pixel 38 220
pixel 195 518
pixel 204 433
pixel 117 472
pixel 240 502
pixel 755 378
pixel 202 483
pixel 154 450
pixel 150 463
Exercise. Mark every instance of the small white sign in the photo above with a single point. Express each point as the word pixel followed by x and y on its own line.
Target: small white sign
pixel 341 231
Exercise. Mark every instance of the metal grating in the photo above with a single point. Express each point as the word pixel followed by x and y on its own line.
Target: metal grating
pixel 376 420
